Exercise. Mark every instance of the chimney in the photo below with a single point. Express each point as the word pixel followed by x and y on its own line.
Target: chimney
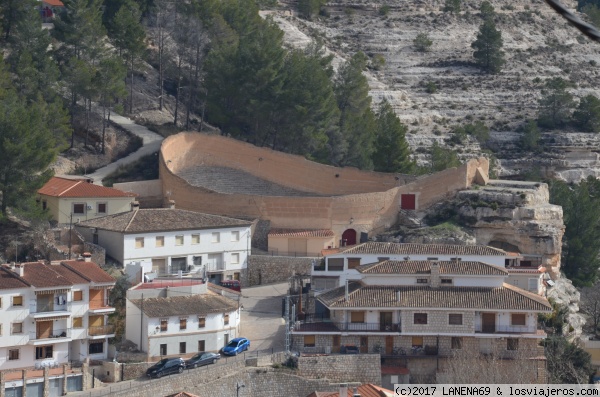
pixel 172 204
pixel 87 257
pixel 355 394
pixel 435 274
pixel 20 270
pixel 135 205
pixel 343 390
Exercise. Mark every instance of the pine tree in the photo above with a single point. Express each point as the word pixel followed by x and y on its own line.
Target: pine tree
pixel 587 114
pixel 308 8
pixel 392 153
pixel 530 140
pixel 12 12
pixel 422 42
pixel 488 48
pixel 110 83
pixel 452 6
pixel 442 158
pixel 555 104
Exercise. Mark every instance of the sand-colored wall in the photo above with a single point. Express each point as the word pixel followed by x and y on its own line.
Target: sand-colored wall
pixel 370 200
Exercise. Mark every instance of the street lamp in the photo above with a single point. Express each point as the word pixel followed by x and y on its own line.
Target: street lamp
pixel 238 387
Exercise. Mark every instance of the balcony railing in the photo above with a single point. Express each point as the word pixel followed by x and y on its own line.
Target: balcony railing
pixel 328 326
pixel 53 334
pixel 101 330
pixel 45 307
pixel 215 265
pixel 508 329
pixel 100 304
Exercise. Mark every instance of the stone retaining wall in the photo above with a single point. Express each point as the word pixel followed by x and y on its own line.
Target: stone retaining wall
pixel 274 269
pixel 364 368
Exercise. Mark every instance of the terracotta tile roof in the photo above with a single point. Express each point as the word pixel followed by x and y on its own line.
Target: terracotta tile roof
pixel 367 390
pixel 506 297
pixel 423 249
pixel 89 271
pixel 63 187
pixel 54 3
pixel 301 233
pixel 9 280
pixel 424 267
pixel 160 283
pixel 162 219
pixel 41 275
pixel 186 305
pixel 68 274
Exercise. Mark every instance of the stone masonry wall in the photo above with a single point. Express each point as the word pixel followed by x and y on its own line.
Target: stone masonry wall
pixel 275 269
pixel 364 368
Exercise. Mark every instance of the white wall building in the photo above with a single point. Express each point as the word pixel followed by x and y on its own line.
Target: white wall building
pixel 180 317
pixel 153 242
pixel 51 314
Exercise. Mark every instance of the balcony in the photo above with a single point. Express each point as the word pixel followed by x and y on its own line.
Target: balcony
pixel 100 306
pixel 50 336
pixel 328 326
pixel 508 329
pixel 43 309
pixel 215 266
pixel 101 332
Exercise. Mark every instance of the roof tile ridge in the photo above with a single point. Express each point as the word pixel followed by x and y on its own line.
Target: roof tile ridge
pixel 14 275
pixel 69 188
pixel 48 266
pixel 131 220
pixel 76 271
pixel 527 294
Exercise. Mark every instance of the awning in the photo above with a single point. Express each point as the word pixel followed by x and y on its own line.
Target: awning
pixel 52 318
pixel 53 291
pixel 102 286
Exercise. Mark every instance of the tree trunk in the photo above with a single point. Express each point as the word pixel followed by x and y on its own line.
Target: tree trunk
pixel 178 89
pixel 103 126
pixel 131 89
pixel 160 65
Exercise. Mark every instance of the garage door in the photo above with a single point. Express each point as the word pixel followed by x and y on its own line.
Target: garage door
pixel 408 202
pixel 297 246
pixel 14 392
pixel 35 390
pixel 56 386
pixel 74 383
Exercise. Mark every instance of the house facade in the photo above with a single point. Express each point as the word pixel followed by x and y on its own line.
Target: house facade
pixel 161 241
pixel 76 200
pixel 180 318
pixel 53 313
pixel 416 312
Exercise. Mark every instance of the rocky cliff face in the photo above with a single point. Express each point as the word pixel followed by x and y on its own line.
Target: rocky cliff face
pixel 538 44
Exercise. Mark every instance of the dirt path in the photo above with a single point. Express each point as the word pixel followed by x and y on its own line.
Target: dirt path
pixel 151 144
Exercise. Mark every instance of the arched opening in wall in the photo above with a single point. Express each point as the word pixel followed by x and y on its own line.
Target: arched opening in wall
pixel 348 237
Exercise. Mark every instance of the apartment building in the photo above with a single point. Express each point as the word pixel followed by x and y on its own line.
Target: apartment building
pixel 53 313
pixel 435 301
pixel 159 241
pixel 181 317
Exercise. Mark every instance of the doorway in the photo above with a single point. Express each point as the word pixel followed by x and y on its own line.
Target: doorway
pixel 488 321
pixel 348 237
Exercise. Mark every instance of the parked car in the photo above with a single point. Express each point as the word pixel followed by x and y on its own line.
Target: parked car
pixel 166 366
pixel 236 346
pixel 202 358
pixel 232 284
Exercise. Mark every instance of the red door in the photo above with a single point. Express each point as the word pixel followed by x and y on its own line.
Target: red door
pixel 408 202
pixel 349 237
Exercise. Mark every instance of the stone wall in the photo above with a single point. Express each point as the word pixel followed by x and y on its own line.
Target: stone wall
pixel 274 269
pixel 364 368
pixel 149 192
pixel 134 370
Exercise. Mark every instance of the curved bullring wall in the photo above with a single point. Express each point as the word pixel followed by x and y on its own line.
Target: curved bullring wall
pixel 344 197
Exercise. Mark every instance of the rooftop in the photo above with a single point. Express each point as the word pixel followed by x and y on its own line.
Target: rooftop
pixel 367 390
pixel 64 187
pixel 423 249
pixel 159 283
pixel 162 219
pixel 301 233
pixel 57 274
pixel 424 267
pixel 199 304
pixel 507 297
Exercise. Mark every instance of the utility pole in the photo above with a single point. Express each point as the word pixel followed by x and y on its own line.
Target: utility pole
pixel 142 322
pixel 70 226
pixel 16 251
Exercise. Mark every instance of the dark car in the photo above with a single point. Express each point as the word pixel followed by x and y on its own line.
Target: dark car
pixel 202 358
pixel 236 346
pixel 166 366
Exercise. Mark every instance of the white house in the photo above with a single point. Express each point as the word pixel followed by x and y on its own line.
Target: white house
pixel 53 313
pixel 180 317
pixel 153 242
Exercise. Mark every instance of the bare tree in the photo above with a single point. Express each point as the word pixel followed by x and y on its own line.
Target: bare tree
pixel 590 305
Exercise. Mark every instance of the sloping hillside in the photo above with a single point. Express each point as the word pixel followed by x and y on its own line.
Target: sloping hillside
pixel 538 44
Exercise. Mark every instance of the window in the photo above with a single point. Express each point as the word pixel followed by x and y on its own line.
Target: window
pixel 226 319
pixel 456 343
pixel 201 345
pixel 164 323
pixel 101 208
pixel 512 344
pixel 96 347
pixel 335 264
pixel 447 281
pixel 216 237
pixel 455 319
pixel 517 319
pixel 420 318
pixel 201 322
pixel 357 317
pixel 77 296
pixel 532 284
pixel 16 328
pixel 42 352
pixel 17 301
pixel 309 341
pixel 235 236
pixel 79 208
pixel 195 239
pixel 178 240
pixel 44 204
pixel 421 281
pixel 77 322
pixel 160 241
pixel 336 340
pixel 182 324
pixel 417 341
pixel 353 263
pixel 163 349
pixel 235 258
pixel 13 354
pixel 139 242
pixel 181 347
